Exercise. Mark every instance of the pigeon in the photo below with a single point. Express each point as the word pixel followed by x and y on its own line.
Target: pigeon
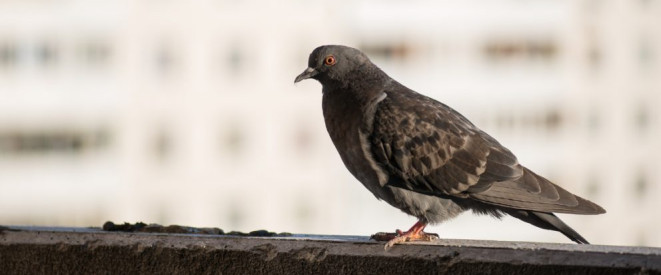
pixel 423 157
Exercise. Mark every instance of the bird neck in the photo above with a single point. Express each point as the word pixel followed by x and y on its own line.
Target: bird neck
pixel 350 105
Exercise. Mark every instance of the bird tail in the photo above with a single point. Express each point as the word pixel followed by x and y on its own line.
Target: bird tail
pixel 560 226
pixel 548 221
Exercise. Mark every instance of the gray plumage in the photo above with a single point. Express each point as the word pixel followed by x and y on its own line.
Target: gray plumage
pixel 423 157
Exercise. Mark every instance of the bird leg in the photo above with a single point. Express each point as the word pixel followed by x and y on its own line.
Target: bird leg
pixel 415 233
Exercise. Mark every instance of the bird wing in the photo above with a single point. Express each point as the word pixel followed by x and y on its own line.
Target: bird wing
pixel 429 148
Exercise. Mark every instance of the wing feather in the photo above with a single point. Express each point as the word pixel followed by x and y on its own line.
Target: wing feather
pixel 430 148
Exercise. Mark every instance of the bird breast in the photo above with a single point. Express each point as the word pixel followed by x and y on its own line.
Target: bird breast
pixel 348 122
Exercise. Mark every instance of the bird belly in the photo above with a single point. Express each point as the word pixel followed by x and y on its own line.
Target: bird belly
pixel 426 208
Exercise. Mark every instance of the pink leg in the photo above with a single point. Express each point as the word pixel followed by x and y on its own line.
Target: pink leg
pixel 415 233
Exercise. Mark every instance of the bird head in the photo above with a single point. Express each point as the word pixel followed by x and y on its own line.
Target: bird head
pixel 332 64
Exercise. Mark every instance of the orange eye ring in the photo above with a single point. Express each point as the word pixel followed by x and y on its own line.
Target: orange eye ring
pixel 330 60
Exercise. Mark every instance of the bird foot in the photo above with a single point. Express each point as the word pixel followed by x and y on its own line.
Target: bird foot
pixel 403 237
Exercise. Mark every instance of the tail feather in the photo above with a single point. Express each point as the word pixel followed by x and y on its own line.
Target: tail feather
pixel 547 221
pixel 559 225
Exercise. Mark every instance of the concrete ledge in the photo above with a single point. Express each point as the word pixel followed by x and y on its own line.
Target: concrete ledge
pixel 28 250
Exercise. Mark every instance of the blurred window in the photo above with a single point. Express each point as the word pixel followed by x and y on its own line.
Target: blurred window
pixel 46 53
pixel 43 142
pixel 641 185
pixel 303 139
pixel 235 60
pixel 646 54
pixel 233 140
pixel 95 53
pixel 8 54
pixel 594 52
pixel 550 120
pixel 593 187
pixel 594 56
pixel 645 4
pixel 553 120
pixel 502 50
pixel 389 51
pixel 642 118
pixel 505 120
pixel 593 122
pixel 164 60
pixel 162 145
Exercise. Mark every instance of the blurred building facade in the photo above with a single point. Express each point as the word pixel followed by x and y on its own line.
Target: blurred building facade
pixel 185 112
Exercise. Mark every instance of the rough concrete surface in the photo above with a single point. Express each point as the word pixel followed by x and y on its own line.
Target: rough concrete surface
pixel 31 250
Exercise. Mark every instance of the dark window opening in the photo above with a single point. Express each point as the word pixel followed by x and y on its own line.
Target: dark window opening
pixel 47 54
pixel 233 140
pixel 642 118
pixel 8 54
pixel 45 142
pixel 391 51
pixel 95 53
pixel 162 145
pixel 502 50
pixel 641 185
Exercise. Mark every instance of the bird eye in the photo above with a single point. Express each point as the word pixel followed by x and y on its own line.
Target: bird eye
pixel 330 60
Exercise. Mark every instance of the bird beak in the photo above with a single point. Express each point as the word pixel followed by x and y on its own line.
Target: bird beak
pixel 309 72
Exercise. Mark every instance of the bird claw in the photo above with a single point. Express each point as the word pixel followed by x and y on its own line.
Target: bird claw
pixel 402 237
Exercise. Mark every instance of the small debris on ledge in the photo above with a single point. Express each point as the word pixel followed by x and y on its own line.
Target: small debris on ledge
pixel 178 229
pixel 4 228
